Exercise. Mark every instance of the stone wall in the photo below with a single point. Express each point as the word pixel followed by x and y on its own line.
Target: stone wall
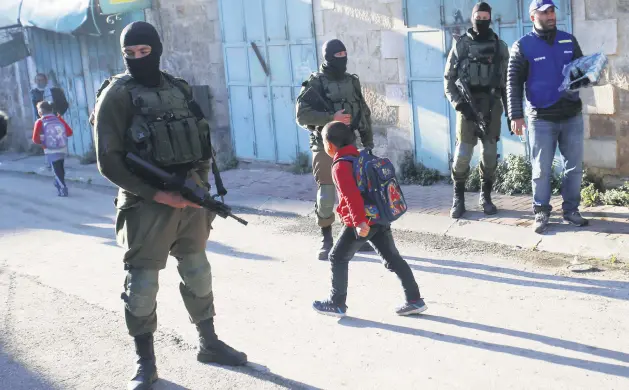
pixel 373 32
pixel 601 25
pixel 191 35
pixel 14 88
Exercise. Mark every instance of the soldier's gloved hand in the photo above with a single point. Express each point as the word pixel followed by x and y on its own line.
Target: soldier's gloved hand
pixel 466 110
pixel 173 200
pixel 341 116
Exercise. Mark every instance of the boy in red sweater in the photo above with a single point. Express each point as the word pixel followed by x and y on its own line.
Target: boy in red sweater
pixel 338 141
pixel 52 133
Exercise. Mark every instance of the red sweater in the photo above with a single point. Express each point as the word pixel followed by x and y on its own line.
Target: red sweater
pixel 351 206
pixel 39 127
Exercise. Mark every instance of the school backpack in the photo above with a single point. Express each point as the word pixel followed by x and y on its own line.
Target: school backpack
pixel 376 180
pixel 53 133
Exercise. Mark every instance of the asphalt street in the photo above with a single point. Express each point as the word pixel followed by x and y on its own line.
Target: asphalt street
pixel 497 319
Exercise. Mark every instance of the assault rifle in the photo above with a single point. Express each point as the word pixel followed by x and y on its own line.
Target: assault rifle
pixel 188 188
pixel 478 119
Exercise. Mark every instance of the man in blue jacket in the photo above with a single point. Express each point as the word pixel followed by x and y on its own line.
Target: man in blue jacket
pixel 554 118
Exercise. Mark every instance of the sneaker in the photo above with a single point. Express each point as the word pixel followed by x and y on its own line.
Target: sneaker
pixel 329 308
pixel 411 308
pixel 64 192
pixel 541 222
pixel 575 218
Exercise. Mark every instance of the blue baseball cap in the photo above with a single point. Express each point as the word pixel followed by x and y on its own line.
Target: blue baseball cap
pixel 541 5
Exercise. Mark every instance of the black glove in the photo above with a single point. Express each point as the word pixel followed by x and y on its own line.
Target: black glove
pixel 466 110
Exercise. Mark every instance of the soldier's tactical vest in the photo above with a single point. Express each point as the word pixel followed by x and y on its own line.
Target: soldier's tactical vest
pixel 164 130
pixel 343 95
pixel 480 64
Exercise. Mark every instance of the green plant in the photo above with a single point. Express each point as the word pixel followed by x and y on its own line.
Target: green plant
pixel 301 165
pixel 473 182
pixel 231 162
pixel 89 157
pixel 590 196
pixel 514 175
pixel 412 172
pixel 617 196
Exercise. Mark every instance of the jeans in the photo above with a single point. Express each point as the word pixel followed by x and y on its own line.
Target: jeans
pixel 545 136
pixel 381 238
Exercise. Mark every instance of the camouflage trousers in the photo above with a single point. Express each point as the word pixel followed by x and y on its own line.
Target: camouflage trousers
pixel 150 232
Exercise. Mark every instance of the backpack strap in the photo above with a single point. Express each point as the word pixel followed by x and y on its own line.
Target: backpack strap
pixel 350 159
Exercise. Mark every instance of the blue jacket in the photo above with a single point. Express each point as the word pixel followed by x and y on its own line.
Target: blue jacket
pixel 546 62
pixel 538 59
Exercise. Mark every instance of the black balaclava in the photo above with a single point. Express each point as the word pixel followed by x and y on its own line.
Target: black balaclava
pixel 481 27
pixel 336 66
pixel 144 70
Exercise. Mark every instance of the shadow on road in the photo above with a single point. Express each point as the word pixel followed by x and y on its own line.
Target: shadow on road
pixel 605 368
pixel 555 342
pixel 604 288
pixel 222 249
pixel 15 375
pixel 262 373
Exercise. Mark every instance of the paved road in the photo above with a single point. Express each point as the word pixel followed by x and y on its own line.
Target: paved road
pixel 496 320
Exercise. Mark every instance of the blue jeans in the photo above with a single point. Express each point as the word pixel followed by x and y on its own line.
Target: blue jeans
pixel 545 136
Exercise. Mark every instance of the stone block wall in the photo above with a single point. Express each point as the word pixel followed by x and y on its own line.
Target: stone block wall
pixel 373 32
pixel 602 25
pixel 191 35
pixel 14 100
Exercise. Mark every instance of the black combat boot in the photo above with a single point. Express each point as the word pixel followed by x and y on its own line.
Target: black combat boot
pixel 326 243
pixel 485 199
pixel 213 350
pixel 458 204
pixel 146 371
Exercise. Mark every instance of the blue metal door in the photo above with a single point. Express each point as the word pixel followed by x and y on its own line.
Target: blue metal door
pixel 269 49
pixel 426 62
pixel 427 21
pixel 78 65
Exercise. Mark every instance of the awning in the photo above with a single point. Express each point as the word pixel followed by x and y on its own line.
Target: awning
pixel 66 16
pixel 108 7
pixel 62 16
pixel 9 13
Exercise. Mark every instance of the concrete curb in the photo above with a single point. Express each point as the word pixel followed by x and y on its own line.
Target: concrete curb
pixel 572 242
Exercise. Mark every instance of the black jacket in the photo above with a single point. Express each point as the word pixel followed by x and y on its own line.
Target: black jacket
pixel 517 74
pixel 59 101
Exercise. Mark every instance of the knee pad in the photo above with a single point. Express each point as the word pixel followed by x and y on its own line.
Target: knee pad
pixel 141 291
pixel 325 201
pixel 196 273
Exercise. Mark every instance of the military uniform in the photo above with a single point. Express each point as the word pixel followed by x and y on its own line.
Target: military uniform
pixel 153 116
pixel 481 64
pixel 338 93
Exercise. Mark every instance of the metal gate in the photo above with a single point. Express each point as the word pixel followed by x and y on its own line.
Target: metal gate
pixel 431 27
pixel 78 65
pixel 269 49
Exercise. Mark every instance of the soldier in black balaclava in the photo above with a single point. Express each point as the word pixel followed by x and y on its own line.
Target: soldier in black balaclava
pixel 479 60
pixel 143 111
pixel 481 22
pixel 344 102
pixel 144 69
pixel 335 55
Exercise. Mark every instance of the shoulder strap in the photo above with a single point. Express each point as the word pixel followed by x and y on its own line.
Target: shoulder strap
pixel 349 159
